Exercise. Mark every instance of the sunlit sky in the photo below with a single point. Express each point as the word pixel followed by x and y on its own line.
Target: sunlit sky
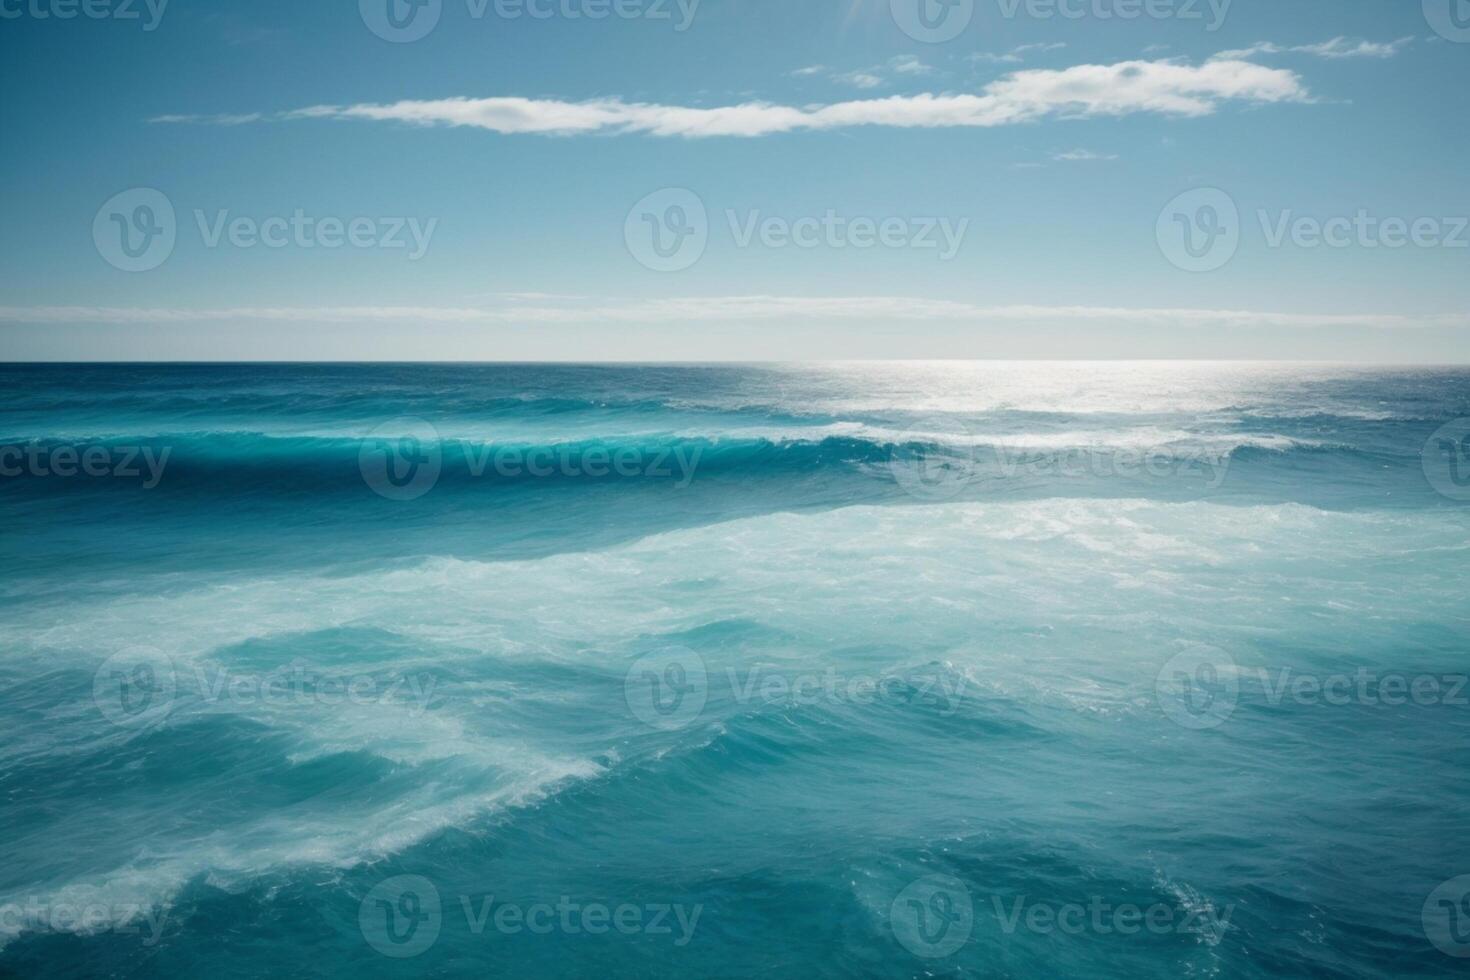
pixel 735 179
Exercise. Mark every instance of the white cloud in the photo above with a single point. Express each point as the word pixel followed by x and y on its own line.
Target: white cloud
pixel 222 119
pixel 909 65
pixel 871 77
pixel 1341 47
pixel 1338 47
pixel 1082 155
pixel 1260 47
pixel 1163 87
pixel 1016 55
pixel 860 79
pixel 732 308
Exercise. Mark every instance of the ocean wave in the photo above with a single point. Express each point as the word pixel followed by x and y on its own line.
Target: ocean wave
pixel 271 844
pixel 263 459
pixel 1058 613
pixel 592 593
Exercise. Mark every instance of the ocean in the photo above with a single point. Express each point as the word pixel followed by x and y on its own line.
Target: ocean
pixel 1021 670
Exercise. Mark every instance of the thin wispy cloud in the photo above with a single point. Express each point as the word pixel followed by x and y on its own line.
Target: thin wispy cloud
pixel 1018 54
pixel 1067 156
pixel 1167 88
pixel 1337 48
pixel 860 79
pixel 874 77
pixel 1082 156
pixel 909 65
pixel 730 309
pixel 220 119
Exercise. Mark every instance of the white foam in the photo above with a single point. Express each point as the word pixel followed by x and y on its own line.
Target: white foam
pixel 1061 604
pixel 234 858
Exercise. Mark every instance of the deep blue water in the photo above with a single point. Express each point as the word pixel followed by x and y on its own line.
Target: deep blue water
pixel 890 670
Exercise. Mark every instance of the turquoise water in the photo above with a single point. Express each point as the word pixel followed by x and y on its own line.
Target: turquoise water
pixel 891 670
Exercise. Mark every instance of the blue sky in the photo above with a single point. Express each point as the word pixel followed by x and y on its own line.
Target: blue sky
pixel 1058 148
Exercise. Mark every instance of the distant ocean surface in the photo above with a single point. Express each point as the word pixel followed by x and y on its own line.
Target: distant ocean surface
pixel 1022 670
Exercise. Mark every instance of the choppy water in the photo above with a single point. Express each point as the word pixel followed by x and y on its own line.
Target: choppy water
pixel 1017 670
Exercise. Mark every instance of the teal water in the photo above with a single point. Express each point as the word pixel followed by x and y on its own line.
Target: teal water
pixel 890 670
